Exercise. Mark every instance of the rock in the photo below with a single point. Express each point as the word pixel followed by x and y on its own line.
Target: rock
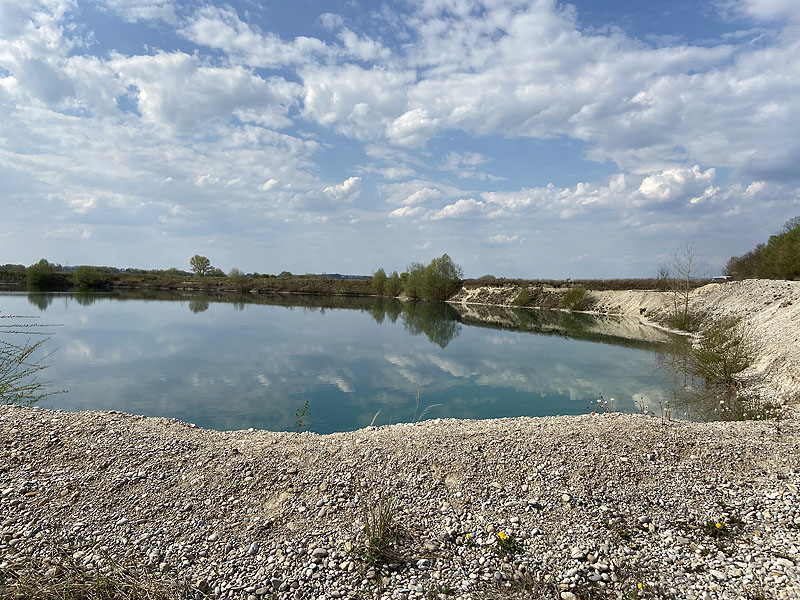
pixel 253 549
pixel 319 553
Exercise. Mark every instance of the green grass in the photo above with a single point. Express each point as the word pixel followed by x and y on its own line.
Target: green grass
pixel 380 532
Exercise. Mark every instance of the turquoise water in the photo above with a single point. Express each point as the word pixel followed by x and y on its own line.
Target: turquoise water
pixel 233 365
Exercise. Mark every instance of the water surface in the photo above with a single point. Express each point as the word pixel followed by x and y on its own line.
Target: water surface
pixel 255 362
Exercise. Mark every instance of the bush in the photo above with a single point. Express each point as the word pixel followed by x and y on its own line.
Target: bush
pixel 578 298
pixel 726 347
pixel 523 297
pixel 87 277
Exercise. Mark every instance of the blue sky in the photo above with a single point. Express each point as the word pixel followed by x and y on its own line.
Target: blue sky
pixel 524 138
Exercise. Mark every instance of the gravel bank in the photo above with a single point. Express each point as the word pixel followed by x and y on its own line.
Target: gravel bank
pixel 604 505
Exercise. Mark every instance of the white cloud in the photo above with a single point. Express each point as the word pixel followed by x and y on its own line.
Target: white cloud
pixel 145 10
pixel 222 29
pixel 176 91
pixel 356 102
pixel 423 196
pixel 675 184
pixel 412 128
pixel 502 239
pixel 268 184
pixel 461 208
pixel 347 191
pixel 406 212
pixel 770 9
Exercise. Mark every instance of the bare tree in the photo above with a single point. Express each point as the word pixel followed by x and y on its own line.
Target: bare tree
pixel 685 269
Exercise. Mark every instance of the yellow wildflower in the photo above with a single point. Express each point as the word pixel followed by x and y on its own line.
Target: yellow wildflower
pixel 502 535
pixel 639 585
pixel 719 525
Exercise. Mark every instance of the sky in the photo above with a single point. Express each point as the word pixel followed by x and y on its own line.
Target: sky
pixel 525 138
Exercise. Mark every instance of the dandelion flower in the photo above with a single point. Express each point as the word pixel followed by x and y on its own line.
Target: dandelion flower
pixel 502 535
pixel 639 585
pixel 719 525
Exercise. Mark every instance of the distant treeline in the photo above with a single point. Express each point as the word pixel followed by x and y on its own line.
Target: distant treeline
pixel 779 258
pixel 47 276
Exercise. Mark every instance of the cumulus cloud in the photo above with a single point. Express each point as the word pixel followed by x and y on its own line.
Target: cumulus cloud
pixel 405 212
pixel 423 196
pixel 347 191
pixel 176 91
pixel 222 29
pixel 677 183
pixel 461 208
pixel 412 128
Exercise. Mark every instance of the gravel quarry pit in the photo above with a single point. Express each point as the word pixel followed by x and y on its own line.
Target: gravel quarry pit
pixel 599 506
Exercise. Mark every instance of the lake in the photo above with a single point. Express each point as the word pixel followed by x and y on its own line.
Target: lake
pixel 256 362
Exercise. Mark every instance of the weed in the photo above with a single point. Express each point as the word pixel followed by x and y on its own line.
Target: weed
pixel 303 416
pixel 439 590
pixel 380 535
pixel 418 418
pixel 506 545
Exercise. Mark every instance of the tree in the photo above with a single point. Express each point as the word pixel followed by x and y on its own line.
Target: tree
pixel 217 272
pixel 379 282
pixel 442 279
pixel 200 265
pixel 240 281
pixel 87 277
pixel 684 272
pixel 781 255
pixel 393 286
pixel 746 266
pixel 41 275
pixel 412 283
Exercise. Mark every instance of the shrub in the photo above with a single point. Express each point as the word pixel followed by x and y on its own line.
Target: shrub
pixel 578 298
pixel 87 277
pixel 523 297
pixel 726 347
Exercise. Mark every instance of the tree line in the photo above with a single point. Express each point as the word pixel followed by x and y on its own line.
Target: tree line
pixel 438 280
pixel 779 258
